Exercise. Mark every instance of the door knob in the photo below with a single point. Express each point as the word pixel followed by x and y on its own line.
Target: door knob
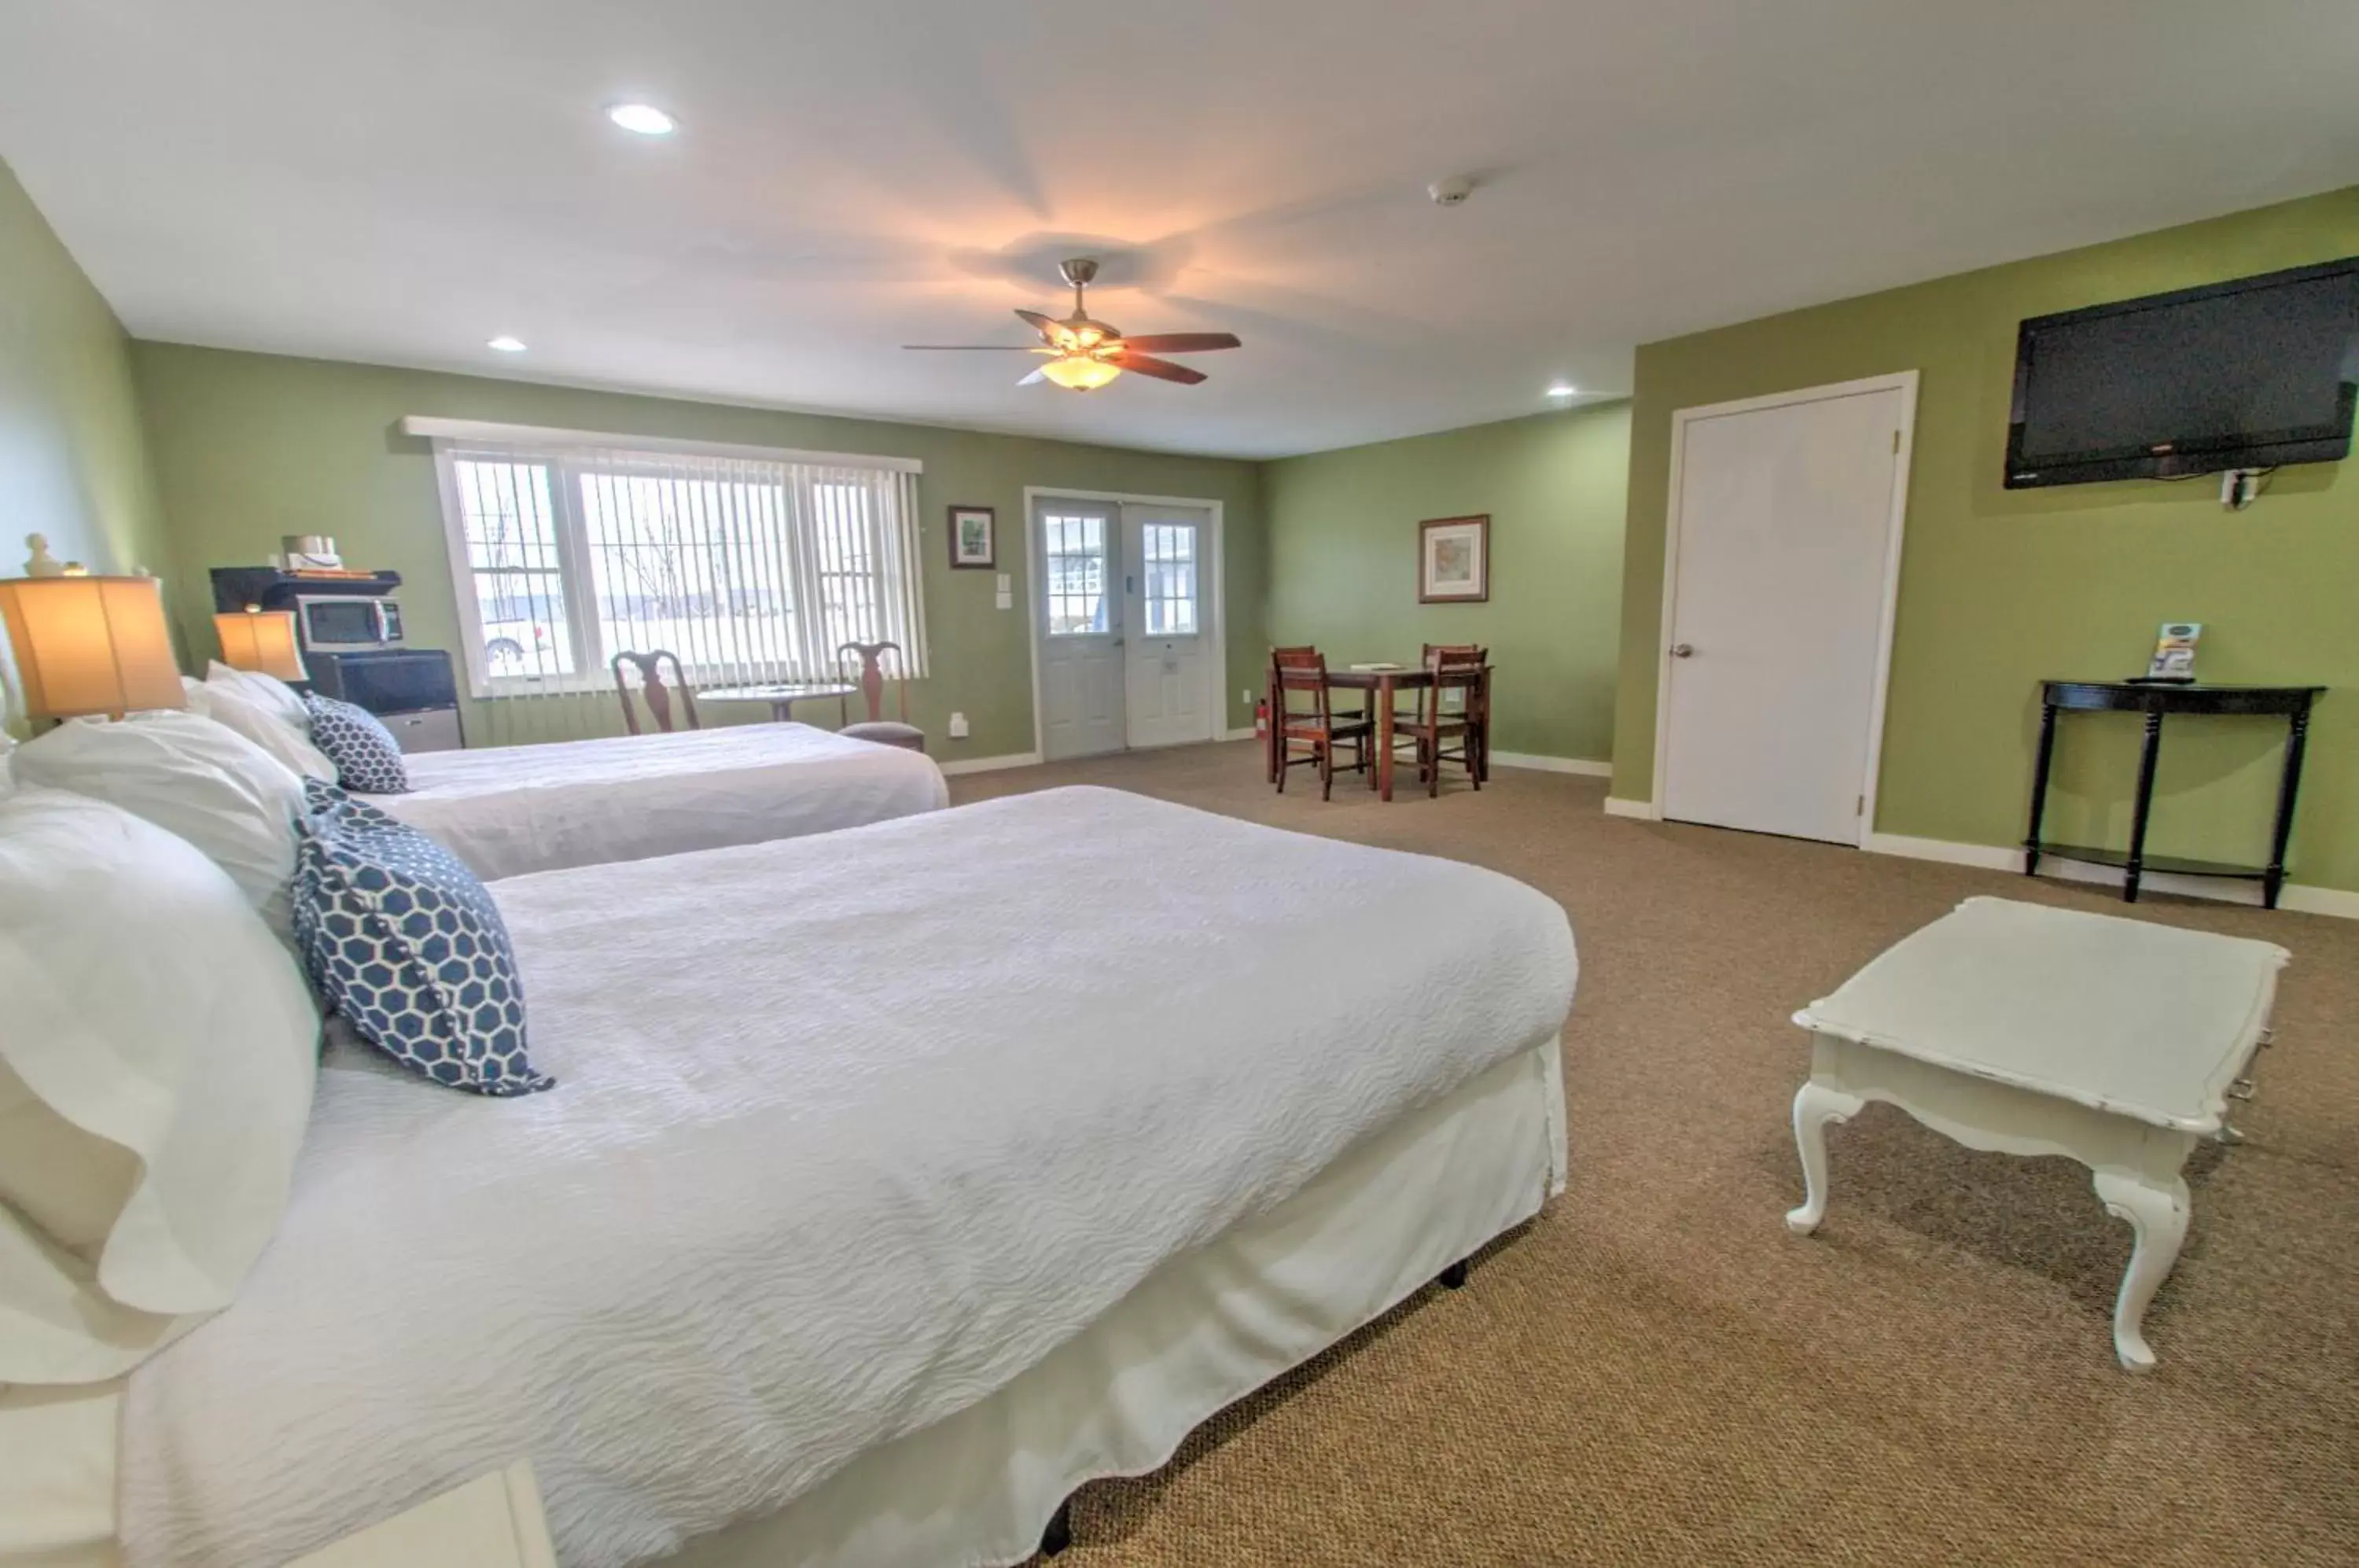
pixel 1683 651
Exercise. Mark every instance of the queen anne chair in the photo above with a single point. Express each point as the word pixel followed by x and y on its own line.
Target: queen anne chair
pixel 652 690
pixel 879 728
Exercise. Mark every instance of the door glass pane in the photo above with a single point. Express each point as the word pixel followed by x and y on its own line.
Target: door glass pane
pixel 1168 572
pixel 1075 569
pixel 511 532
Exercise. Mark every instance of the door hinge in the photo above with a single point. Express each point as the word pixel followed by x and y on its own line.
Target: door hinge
pixel 1895 443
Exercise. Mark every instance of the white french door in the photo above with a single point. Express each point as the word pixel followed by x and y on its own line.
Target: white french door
pixel 1785 533
pixel 1077 573
pixel 1169 695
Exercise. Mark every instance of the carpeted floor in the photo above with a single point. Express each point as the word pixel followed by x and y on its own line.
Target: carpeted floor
pixel 1655 1372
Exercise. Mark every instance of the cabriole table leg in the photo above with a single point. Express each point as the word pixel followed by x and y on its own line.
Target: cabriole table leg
pixel 2157 1218
pixel 1816 1104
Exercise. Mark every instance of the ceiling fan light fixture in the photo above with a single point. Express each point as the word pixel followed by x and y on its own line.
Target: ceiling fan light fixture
pixel 1079 373
pixel 1563 389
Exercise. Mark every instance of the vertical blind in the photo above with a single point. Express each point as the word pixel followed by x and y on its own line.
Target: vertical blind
pixel 751 569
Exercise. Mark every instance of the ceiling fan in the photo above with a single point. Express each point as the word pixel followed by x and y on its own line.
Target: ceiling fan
pixel 1084 355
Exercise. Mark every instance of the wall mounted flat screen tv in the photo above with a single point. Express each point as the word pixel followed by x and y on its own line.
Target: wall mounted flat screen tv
pixel 2245 375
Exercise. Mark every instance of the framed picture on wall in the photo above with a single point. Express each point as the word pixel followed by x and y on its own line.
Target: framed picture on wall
pixel 1453 561
pixel 973 540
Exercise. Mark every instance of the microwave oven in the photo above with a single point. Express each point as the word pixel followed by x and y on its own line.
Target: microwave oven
pixel 345 623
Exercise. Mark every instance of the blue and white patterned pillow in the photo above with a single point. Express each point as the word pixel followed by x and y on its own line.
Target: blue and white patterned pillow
pixel 401 938
pixel 367 758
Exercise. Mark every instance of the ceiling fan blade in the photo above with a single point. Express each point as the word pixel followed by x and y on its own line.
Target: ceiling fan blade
pixel 1162 369
pixel 1034 379
pixel 1184 342
pixel 1052 331
pixel 971 347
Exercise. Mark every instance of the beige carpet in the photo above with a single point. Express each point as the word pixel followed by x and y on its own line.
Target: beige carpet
pixel 1655 1372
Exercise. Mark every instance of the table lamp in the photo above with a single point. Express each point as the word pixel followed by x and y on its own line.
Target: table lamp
pixel 261 640
pixel 90 645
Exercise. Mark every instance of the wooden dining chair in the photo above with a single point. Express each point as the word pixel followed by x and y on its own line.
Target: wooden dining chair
pixel 1435 726
pixel 652 690
pixel 1320 729
pixel 897 732
pixel 1478 704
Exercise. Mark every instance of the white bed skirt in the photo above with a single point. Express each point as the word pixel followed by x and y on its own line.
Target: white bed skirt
pixel 1199 1333
pixel 977 1489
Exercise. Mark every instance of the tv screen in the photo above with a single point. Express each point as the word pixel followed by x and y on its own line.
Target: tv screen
pixel 2245 375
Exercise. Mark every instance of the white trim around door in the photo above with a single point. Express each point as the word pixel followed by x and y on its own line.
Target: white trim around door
pixel 1903 381
pixel 1212 588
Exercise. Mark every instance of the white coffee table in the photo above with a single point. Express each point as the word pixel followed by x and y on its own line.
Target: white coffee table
pixel 2029 1030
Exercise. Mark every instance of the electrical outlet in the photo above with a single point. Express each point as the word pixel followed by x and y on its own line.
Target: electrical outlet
pixel 958 726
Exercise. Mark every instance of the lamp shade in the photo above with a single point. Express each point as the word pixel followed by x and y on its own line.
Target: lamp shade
pixel 91 645
pixel 261 640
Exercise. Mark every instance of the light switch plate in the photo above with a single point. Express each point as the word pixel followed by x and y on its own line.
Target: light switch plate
pixel 1005 585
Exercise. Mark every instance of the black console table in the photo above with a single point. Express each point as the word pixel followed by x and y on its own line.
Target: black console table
pixel 2154 700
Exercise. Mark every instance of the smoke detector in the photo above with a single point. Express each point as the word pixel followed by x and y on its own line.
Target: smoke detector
pixel 1452 191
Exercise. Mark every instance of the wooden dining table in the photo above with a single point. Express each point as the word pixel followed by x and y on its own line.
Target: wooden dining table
pixel 1383 683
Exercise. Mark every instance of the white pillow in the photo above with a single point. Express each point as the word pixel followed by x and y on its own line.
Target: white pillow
pixel 274 695
pixel 162 1031
pixel 235 708
pixel 190 775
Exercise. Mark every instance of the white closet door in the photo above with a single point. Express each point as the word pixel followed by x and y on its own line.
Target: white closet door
pixel 1775 636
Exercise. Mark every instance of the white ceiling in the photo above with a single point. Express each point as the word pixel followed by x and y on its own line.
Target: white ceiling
pixel 396 180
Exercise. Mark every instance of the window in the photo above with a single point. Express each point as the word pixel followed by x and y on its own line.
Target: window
pixel 750 566
pixel 1167 567
pixel 1075 550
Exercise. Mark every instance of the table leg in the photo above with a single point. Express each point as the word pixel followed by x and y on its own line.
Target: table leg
pixel 2158 1219
pixel 2145 808
pixel 2040 787
pixel 1271 697
pixel 783 710
pixel 2289 786
pixel 1384 737
pixel 1816 1104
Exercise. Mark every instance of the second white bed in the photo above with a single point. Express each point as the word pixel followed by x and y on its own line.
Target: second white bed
pixel 511 810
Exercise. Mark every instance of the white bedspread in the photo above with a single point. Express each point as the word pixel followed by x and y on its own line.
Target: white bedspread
pixel 848 1132
pixel 510 810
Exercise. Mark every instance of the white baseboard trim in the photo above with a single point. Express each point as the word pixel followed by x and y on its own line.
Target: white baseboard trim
pixel 2297 895
pixel 1586 766
pixel 1641 811
pixel 992 764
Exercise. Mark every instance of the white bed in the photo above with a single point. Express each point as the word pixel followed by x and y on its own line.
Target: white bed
pixel 506 811
pixel 894 1184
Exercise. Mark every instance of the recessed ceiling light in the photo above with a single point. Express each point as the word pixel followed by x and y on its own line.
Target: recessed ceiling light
pixel 644 119
pixel 1564 389
pixel 507 344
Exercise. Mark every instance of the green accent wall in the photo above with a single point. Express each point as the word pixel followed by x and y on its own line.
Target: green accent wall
pixel 252 447
pixel 73 465
pixel 2000 588
pixel 1344 562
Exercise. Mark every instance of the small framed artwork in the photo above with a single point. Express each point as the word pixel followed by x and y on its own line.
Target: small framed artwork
pixel 1453 561
pixel 973 540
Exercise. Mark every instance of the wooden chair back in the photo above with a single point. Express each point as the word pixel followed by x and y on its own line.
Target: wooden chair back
pixel 1461 667
pixel 652 690
pixel 871 676
pixel 1293 669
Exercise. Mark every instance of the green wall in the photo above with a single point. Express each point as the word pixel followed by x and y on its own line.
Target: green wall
pixel 1344 543
pixel 73 463
pixel 252 447
pixel 2001 588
